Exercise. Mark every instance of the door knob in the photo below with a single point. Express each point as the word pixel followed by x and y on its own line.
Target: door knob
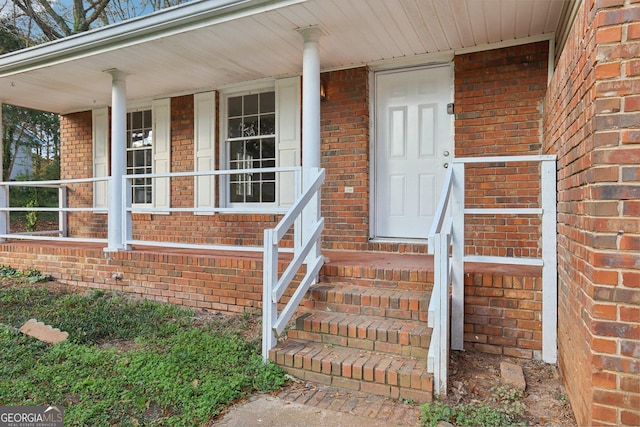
pixel 446 165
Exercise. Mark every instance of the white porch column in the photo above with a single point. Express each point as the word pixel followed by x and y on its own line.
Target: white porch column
pixel 118 159
pixel 311 98
pixel 310 126
pixel 4 191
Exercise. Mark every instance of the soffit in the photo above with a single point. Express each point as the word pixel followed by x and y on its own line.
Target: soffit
pixel 266 44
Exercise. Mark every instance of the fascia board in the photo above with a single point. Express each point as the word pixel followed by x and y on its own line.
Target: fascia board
pixel 164 23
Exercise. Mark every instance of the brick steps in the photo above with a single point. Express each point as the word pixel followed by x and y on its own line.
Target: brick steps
pixel 380 270
pixel 391 303
pixel 393 336
pixel 363 338
pixel 361 370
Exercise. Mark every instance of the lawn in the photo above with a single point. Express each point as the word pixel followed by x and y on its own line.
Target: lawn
pixel 126 361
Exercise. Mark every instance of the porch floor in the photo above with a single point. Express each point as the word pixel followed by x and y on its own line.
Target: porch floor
pixel 360 259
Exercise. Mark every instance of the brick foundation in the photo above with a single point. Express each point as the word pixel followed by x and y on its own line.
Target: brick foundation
pixel 503 312
pixel 226 283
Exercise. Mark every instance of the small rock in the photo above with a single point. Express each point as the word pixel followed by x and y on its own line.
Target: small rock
pixel 512 375
pixel 43 332
pixel 444 424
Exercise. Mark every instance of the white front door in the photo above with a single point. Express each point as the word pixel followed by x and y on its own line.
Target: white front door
pixel 413 143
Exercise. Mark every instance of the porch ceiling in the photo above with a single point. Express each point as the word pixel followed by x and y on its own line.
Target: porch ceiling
pixel 210 44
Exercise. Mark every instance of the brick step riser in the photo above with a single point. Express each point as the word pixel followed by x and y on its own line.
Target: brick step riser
pixel 377 375
pixel 423 285
pixel 348 298
pixel 362 343
pixel 391 313
pixel 366 333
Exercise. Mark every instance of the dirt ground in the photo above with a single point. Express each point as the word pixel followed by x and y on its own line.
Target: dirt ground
pixel 473 375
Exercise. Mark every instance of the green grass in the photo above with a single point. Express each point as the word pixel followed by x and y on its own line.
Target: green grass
pixel 171 371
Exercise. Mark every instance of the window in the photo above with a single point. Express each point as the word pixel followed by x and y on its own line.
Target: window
pixel 140 154
pixel 251 144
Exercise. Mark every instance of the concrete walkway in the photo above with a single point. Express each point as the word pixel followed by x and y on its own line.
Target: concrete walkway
pixel 311 405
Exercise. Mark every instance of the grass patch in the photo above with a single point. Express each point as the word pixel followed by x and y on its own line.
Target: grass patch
pixel 173 371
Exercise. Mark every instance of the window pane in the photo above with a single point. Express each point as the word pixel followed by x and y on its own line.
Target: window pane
pixel 268 124
pixel 269 149
pixel 251 104
pixel 253 149
pixel 268 102
pixel 250 126
pixel 234 106
pixel 269 192
pixel 136 121
pixel 146 122
pixel 235 128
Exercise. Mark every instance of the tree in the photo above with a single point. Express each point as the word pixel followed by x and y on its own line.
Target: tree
pixel 9 39
pixel 35 21
pixel 57 20
pixel 35 131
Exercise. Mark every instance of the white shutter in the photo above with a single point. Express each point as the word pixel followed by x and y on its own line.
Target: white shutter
pixel 288 111
pixel 204 105
pixel 161 113
pixel 100 136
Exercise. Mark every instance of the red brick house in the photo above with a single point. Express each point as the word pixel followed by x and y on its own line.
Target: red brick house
pixel 188 133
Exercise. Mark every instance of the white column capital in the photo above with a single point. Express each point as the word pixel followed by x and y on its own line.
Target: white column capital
pixel 117 75
pixel 311 34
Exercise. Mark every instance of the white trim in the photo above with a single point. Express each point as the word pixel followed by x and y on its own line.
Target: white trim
pixel 505 159
pixel 372 158
pixel 503 211
pixel 435 58
pixel 503 260
pixel 4 191
pixel 550 258
pixel 551 62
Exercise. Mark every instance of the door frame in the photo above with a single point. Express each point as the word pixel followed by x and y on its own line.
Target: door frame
pixel 373 191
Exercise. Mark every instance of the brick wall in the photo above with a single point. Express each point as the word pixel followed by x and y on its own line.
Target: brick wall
pixel 345 156
pixel 76 161
pixel 498 101
pixel 592 122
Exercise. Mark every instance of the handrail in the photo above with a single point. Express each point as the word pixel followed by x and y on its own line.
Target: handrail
pixel 446 243
pixel 274 287
pixel 443 203
pixel 440 238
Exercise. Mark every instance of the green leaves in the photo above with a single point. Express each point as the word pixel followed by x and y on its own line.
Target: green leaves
pixel 173 374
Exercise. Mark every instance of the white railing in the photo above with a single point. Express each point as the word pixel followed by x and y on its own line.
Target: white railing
pixel 59 234
pixel 274 287
pixel 440 240
pixel 446 243
pixel 259 208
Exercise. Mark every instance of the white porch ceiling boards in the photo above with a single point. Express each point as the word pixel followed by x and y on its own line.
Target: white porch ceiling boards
pixel 165 54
